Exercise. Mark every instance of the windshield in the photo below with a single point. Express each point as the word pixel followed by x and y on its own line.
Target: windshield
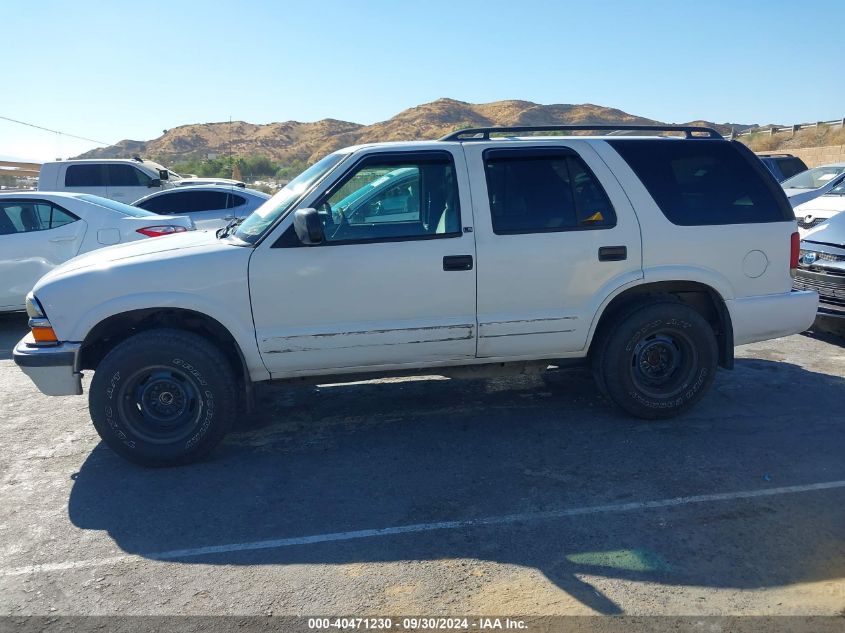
pixel 125 209
pixel 838 190
pixel 813 178
pixel 264 216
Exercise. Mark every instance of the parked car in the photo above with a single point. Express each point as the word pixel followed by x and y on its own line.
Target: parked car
pixel 39 231
pixel 821 209
pixel 124 180
pixel 821 265
pixel 381 199
pixel 209 206
pixel 783 166
pixel 646 258
pixel 813 183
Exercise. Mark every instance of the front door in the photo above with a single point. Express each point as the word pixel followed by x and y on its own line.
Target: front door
pixel 127 183
pixel 392 285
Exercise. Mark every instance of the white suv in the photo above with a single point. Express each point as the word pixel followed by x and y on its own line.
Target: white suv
pixel 648 257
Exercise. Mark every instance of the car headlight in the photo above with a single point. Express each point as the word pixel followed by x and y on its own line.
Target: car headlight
pixel 33 308
pixel 42 329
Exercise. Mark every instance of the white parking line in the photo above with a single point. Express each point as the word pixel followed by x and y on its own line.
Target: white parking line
pixel 419 527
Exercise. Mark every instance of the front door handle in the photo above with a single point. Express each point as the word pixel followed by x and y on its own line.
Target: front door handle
pixel 613 253
pixel 457 262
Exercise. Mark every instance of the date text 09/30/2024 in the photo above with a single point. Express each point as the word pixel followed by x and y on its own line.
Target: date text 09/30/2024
pixel 417 623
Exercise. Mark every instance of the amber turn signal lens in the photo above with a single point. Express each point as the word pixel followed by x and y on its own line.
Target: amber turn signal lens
pixel 44 335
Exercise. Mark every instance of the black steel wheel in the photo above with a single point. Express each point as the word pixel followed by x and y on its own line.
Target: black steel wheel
pixel 657 360
pixel 163 398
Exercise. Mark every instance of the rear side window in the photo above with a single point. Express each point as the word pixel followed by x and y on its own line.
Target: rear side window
pixel 162 204
pixel 52 217
pixel 25 217
pixel 210 200
pixel 93 175
pixel 537 190
pixel 180 202
pixel 701 182
pixel 235 201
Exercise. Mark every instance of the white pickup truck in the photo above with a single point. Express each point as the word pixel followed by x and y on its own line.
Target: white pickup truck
pixel 122 179
pixel 649 257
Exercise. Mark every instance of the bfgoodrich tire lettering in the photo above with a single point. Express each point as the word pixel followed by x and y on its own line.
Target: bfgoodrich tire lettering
pixel 658 360
pixel 163 398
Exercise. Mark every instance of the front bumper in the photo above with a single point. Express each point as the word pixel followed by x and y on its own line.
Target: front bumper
pixel 829 283
pixel 54 370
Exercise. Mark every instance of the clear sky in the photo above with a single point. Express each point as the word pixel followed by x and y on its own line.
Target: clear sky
pixel 111 70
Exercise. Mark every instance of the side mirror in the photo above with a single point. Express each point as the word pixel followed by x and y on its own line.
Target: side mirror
pixel 163 174
pixel 309 229
pixel 154 182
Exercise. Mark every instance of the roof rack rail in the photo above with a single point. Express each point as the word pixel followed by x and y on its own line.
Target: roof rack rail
pixel 483 133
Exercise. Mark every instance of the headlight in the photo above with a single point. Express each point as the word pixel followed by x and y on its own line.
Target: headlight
pixel 33 308
pixel 42 330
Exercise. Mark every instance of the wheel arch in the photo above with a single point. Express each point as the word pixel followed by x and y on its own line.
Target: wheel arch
pixel 114 329
pixel 703 298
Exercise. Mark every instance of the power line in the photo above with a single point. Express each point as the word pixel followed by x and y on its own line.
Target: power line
pixel 46 129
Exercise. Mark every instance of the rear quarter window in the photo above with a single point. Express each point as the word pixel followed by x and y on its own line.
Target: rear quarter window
pixel 703 182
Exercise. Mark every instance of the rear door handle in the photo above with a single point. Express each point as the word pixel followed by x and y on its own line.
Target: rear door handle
pixel 63 238
pixel 457 262
pixel 613 253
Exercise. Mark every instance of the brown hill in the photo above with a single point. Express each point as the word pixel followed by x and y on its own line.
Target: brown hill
pixel 307 141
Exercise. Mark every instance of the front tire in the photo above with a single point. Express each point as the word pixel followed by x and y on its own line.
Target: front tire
pixel 163 398
pixel 657 361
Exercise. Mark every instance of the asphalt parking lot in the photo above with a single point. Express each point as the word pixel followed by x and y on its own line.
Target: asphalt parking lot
pixel 430 496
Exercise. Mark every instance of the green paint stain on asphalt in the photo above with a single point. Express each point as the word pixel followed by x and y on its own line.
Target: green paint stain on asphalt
pixel 627 559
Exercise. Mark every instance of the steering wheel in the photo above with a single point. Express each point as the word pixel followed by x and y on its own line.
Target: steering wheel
pixel 326 208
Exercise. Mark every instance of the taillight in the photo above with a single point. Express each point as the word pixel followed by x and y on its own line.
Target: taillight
pixel 161 229
pixel 793 253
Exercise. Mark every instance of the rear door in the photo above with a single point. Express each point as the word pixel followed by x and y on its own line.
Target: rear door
pixel 555 235
pixel 35 236
pixel 86 178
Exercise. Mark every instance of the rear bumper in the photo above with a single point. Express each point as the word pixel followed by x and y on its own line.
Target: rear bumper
pixel 772 316
pixel 52 369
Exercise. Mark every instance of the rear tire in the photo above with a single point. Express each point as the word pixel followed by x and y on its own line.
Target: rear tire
pixel 657 360
pixel 163 398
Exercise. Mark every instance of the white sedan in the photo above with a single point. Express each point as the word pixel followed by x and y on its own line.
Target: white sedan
pixel 813 183
pixel 40 230
pixel 821 209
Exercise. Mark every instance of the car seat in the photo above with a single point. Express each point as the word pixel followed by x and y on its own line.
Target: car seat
pixel 29 219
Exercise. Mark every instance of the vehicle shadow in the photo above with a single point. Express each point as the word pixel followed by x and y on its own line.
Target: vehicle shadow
pixel 13 327
pixel 335 459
